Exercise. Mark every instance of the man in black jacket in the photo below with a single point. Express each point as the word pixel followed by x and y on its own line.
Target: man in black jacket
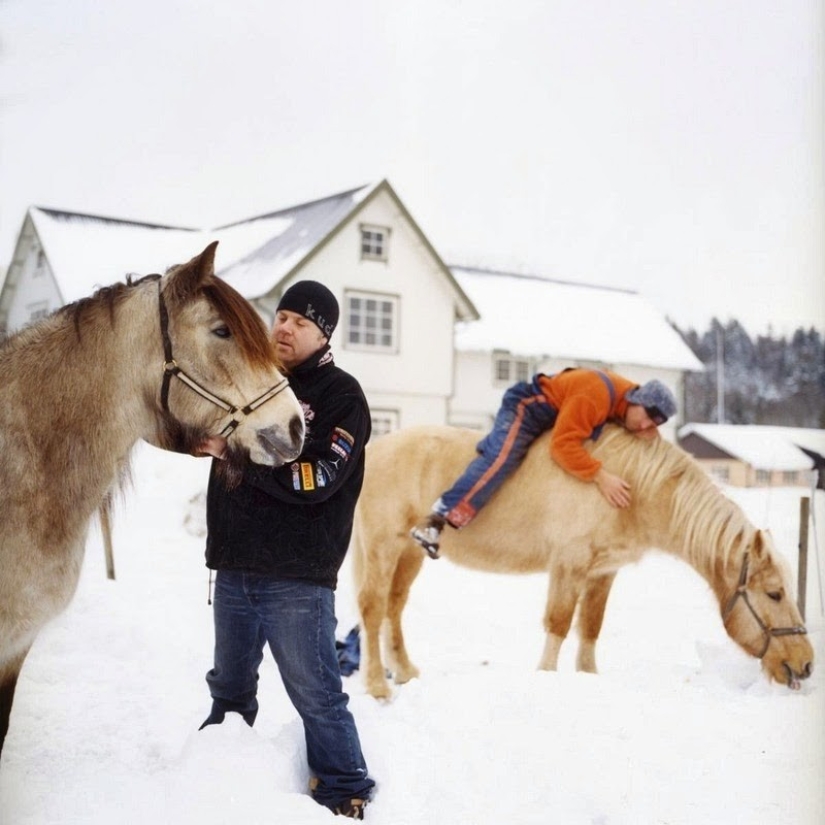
pixel 277 541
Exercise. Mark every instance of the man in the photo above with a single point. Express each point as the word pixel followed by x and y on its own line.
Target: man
pixel 576 404
pixel 277 541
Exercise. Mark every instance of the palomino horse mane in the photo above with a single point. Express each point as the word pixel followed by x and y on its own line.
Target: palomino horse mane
pixel 711 528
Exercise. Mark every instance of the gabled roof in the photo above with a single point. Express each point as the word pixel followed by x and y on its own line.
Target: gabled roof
pixel 255 255
pixel 289 236
pixel 298 233
pixel 89 251
pixel 762 447
pixel 528 315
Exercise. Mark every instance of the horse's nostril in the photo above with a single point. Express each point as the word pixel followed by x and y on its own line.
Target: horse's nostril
pixel 296 429
pixel 809 669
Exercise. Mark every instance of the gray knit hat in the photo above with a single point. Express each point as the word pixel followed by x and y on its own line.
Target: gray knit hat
pixel 656 398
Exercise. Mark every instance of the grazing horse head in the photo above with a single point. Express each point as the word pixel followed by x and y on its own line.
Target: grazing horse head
pixel 221 375
pixel 762 617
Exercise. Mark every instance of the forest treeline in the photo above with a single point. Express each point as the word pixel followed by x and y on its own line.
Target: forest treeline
pixel 766 380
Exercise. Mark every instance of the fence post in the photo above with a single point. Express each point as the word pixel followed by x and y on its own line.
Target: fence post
pixel 802 570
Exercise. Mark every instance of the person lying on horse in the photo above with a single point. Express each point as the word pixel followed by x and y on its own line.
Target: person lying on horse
pixel 575 404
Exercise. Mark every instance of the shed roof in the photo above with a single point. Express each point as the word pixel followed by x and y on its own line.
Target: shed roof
pixel 762 447
pixel 529 315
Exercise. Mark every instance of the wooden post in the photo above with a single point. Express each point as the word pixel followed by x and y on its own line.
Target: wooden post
pixel 802 571
pixel 106 531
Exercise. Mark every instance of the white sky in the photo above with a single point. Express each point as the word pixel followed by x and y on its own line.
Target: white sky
pixel 670 147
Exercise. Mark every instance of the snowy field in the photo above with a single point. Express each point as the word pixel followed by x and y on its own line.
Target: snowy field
pixel 679 727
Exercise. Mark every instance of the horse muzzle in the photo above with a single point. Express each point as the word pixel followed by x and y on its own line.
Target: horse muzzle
pixel 283 446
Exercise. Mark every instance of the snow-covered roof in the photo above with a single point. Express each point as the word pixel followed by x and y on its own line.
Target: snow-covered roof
pixel 528 315
pixel 291 235
pixel 89 251
pixel 762 447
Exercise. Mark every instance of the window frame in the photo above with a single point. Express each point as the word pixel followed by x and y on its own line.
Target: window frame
pixel 374 248
pixel 519 368
pixel 395 314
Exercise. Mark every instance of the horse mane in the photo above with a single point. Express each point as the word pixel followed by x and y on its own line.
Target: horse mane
pixel 709 526
pixel 244 323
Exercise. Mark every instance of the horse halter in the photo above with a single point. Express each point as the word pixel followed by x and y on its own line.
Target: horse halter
pixel 171 368
pixel 768 632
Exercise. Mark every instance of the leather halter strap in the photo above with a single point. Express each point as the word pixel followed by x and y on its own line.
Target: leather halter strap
pixel 768 632
pixel 171 368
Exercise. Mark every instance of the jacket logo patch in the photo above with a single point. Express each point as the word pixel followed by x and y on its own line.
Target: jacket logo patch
pixel 303 477
pixel 342 443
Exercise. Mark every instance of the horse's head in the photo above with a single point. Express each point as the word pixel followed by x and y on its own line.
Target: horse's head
pixel 221 375
pixel 761 615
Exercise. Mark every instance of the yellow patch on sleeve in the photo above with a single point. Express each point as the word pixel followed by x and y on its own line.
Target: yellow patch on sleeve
pixel 307 476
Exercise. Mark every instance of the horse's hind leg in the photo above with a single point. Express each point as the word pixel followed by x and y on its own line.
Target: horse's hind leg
pixel 563 593
pixel 591 617
pixel 408 568
pixel 8 682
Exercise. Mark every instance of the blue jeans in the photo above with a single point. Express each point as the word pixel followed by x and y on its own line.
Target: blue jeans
pixel 524 414
pixel 297 620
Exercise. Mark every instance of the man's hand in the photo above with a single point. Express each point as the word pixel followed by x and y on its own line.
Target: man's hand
pixel 214 445
pixel 616 490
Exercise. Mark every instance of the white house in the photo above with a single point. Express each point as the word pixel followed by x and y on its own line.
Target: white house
pixel 428 344
pixel 531 324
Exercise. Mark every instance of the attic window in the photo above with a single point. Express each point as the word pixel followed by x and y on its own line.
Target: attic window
pixel 374 242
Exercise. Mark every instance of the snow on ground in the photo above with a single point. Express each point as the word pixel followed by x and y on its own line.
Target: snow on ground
pixel 679 727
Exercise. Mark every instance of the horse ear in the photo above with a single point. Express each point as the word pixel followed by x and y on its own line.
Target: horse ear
pixel 761 543
pixel 183 281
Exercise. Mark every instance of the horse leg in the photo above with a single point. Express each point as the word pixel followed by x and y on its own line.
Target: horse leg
pixel 8 683
pixel 373 594
pixel 409 565
pixel 563 593
pixel 591 616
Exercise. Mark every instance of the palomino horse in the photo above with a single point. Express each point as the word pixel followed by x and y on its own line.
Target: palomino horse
pixel 154 359
pixel 543 519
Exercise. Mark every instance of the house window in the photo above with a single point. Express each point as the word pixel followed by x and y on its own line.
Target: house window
pixel 508 370
pixel 38 310
pixel 763 477
pixel 790 478
pixel 383 422
pixel 40 264
pixel 374 242
pixel 720 472
pixel 372 321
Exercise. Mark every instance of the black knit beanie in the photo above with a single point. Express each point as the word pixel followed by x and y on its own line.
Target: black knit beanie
pixel 314 301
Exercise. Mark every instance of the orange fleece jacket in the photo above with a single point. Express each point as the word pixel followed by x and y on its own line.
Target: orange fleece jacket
pixel 583 403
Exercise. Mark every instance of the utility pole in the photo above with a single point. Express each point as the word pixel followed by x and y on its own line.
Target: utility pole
pixel 720 376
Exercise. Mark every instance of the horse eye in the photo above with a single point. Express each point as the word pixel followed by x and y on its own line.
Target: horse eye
pixel 775 595
pixel 222 332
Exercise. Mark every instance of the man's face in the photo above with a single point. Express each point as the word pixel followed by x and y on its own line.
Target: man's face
pixel 296 337
pixel 638 422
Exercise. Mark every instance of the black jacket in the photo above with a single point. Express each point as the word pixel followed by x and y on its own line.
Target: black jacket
pixel 295 521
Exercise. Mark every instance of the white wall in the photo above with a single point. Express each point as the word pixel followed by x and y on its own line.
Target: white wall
pixel 417 378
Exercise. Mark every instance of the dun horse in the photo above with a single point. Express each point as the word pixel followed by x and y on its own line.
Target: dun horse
pixel 544 520
pixel 170 360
